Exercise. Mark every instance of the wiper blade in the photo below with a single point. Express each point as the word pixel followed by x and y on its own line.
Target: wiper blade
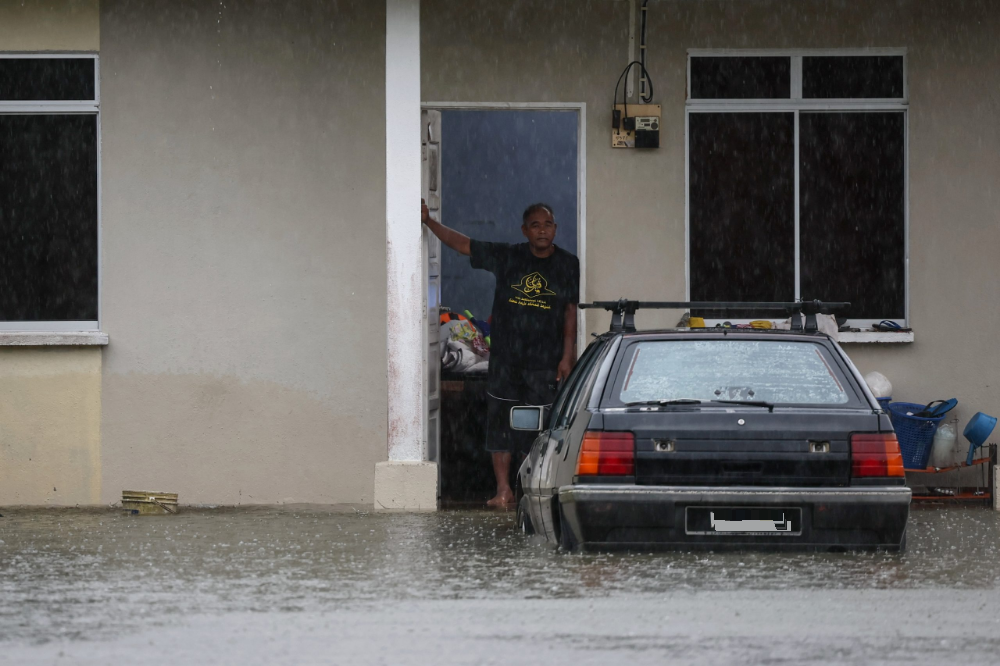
pixel 678 401
pixel 748 403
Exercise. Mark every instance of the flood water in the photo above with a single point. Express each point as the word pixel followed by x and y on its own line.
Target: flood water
pixel 338 585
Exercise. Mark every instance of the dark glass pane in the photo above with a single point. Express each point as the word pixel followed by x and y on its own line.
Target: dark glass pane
pixel 742 208
pixel 852 211
pixel 48 217
pixel 46 79
pixel 741 78
pixel 852 77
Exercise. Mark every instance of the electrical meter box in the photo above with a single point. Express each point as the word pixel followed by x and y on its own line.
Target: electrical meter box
pixel 639 129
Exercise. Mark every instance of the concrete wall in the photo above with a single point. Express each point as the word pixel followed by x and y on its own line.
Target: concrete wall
pixel 50 419
pixel 244 249
pixel 571 51
pixel 49 25
pixel 50 398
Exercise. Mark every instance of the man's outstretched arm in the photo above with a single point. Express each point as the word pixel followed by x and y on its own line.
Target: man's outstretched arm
pixel 457 241
pixel 569 343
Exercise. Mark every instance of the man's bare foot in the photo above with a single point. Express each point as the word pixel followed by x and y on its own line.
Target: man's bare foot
pixel 503 498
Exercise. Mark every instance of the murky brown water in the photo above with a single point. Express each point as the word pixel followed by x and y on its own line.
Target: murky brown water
pixel 67 575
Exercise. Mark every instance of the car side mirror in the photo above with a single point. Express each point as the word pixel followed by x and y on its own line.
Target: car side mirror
pixel 528 418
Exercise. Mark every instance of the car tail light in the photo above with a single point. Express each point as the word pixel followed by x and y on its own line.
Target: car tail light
pixel 875 454
pixel 607 454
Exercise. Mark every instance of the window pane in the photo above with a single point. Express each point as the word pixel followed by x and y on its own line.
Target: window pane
pixel 772 371
pixel 852 77
pixel 46 79
pixel 852 211
pixel 48 217
pixel 742 208
pixel 741 78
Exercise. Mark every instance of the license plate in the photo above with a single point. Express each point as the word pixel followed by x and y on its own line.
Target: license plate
pixel 758 521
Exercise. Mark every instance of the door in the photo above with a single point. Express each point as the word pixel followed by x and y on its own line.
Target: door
pixel 566 428
pixel 431 192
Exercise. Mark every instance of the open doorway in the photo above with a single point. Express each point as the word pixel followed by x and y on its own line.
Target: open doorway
pixel 494 161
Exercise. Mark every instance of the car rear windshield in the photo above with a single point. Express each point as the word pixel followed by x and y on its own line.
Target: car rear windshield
pixel 770 371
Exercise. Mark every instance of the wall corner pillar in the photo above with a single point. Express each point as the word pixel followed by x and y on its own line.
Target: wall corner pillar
pixel 406 486
pixel 406 481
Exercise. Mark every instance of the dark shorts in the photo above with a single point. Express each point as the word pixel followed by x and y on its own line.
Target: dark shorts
pixel 512 387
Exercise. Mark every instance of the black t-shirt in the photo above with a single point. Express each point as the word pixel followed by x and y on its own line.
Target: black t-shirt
pixel 529 304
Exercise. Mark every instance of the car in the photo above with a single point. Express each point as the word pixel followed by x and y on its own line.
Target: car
pixel 713 438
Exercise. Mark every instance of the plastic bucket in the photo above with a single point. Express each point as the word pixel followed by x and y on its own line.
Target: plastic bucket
pixel 979 428
pixel 915 433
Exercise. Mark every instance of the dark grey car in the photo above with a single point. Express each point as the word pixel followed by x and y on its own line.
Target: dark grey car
pixel 713 438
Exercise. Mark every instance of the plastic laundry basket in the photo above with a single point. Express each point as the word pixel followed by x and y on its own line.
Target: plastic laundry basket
pixel 884 403
pixel 915 433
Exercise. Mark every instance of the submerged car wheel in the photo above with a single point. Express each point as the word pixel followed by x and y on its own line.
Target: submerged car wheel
pixel 523 518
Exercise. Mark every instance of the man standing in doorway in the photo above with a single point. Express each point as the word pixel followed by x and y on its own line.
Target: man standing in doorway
pixel 533 331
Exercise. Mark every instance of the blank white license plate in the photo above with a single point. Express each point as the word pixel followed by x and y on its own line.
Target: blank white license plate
pixel 759 521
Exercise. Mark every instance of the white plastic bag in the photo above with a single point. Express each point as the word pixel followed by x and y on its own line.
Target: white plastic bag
pixel 879 384
pixel 828 324
pixel 943 449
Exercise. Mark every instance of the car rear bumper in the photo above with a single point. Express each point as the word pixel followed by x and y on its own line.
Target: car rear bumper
pixel 648 517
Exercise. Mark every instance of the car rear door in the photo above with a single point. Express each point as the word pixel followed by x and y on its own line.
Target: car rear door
pixel 549 453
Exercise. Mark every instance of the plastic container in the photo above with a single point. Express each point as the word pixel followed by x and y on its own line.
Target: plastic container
pixel 978 429
pixel 915 433
pixel 884 403
pixel 943 453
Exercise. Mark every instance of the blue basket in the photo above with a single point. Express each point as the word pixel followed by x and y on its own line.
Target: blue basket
pixel 915 433
pixel 884 403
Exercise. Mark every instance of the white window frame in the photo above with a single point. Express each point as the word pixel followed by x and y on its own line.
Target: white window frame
pixel 796 104
pixel 86 107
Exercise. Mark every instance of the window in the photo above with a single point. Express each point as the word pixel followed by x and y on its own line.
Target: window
pixel 797 180
pixel 776 372
pixel 49 183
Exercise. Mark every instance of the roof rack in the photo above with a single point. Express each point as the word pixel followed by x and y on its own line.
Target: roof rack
pixel 803 313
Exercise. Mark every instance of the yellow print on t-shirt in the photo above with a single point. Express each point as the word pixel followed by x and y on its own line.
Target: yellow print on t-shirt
pixel 529 303
pixel 532 286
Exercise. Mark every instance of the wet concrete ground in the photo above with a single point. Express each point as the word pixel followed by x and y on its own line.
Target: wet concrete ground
pixel 317 585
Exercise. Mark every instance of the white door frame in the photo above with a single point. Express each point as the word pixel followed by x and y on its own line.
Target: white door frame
pixel 581 176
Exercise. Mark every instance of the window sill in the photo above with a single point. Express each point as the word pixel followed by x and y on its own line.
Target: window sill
pixel 875 337
pixel 53 339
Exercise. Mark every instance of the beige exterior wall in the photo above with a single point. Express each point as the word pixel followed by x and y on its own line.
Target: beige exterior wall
pixel 49 25
pixel 244 249
pixel 50 419
pixel 50 397
pixel 570 51
pixel 244 219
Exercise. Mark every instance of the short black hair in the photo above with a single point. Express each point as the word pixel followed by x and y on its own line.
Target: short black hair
pixel 534 208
